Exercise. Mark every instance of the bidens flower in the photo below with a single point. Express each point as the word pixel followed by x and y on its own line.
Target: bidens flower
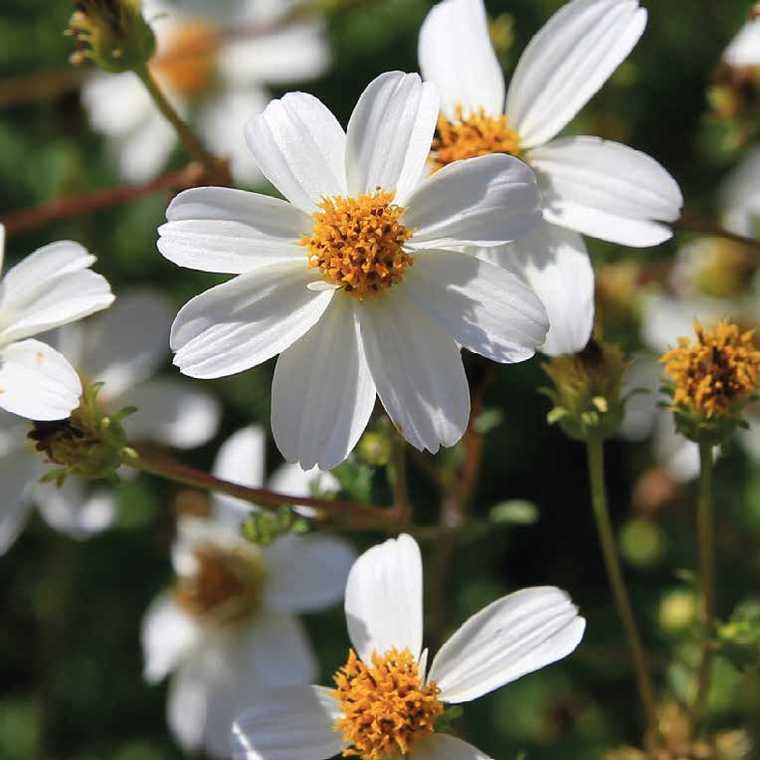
pixel 212 71
pixel 385 703
pixel 49 288
pixel 589 185
pixel 354 281
pixel 229 624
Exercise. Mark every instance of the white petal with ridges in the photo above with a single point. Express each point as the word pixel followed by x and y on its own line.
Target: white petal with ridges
pixel 513 636
pixel 242 323
pixel 300 148
pixel 445 747
pixel 606 190
pixel 389 135
pixel 384 599
pixel 296 723
pixel 322 391
pixel 456 53
pixel 565 64
pixel 489 200
pixel 417 369
pixel 218 229
pixel 483 307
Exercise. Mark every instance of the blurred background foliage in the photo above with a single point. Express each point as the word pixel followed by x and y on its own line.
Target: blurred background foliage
pixel 71 683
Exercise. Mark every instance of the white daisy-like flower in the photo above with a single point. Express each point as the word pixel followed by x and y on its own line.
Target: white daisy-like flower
pixel 589 185
pixel 229 624
pixel 355 281
pixel 219 82
pixel 49 288
pixel 744 48
pixel 385 703
pixel 122 349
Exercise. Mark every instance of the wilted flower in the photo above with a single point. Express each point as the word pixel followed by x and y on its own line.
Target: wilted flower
pixel 356 282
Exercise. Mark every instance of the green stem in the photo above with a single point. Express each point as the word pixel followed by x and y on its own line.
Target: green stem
pixel 595 448
pixel 192 143
pixel 707 575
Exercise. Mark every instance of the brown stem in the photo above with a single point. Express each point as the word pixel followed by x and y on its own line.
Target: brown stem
pixel 39 86
pixel 347 514
pixel 63 208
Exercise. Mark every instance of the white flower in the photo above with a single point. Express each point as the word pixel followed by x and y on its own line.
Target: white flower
pixel 744 49
pixel 740 195
pixel 590 186
pixel 219 82
pixel 230 625
pixel 354 280
pixel 49 288
pixel 121 349
pixel 516 635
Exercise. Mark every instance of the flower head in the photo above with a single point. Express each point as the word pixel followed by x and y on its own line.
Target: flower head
pixel 358 281
pixel 385 703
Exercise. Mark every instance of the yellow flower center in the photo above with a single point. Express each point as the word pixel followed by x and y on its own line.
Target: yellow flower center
pixel 385 708
pixel 357 243
pixel 714 372
pixel 188 63
pixel 226 586
pixel 476 134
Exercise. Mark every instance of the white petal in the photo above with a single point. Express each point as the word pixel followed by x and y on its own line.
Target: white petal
pixel 483 307
pixel 565 64
pixel 2 246
pixel 744 49
pixel 37 382
pixel 188 701
pixel 293 480
pixel 740 194
pixel 389 135
pixel 445 747
pixel 49 288
pixel 296 723
pixel 18 470
pixel 417 369
pixel 300 147
pixel 384 599
pixel 322 391
pixel 239 324
pixel 217 229
pixel 167 635
pixel 171 411
pixel 307 574
pixel 606 190
pixel 644 373
pixel 666 319
pixel 489 200
pixel 72 510
pixel 116 104
pixel 514 635
pixel 128 343
pixel 555 263
pixel 677 454
pixel 456 53
pixel 144 152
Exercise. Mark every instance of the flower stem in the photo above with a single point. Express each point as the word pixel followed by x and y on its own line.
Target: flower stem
pixel 595 449
pixel 347 514
pixel 189 139
pixel 707 575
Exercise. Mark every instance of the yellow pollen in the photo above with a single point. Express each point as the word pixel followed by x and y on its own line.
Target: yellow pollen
pixel 477 134
pixel 226 587
pixel 357 243
pixel 385 708
pixel 188 60
pixel 715 372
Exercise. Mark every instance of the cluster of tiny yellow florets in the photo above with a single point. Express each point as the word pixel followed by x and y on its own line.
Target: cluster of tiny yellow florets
pixel 357 243
pixel 472 135
pixel 713 373
pixel 386 707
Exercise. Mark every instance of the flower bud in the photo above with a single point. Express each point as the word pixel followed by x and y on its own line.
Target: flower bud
pixel 111 33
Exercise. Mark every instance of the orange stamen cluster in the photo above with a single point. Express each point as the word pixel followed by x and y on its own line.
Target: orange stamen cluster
pixel 715 372
pixel 226 587
pixel 475 134
pixel 188 63
pixel 357 243
pixel 385 708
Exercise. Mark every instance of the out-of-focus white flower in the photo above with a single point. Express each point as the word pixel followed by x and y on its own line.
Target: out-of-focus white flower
pixel 355 281
pixel 219 82
pixel 590 186
pixel 386 702
pixel 740 196
pixel 229 625
pixel 121 349
pixel 744 48
pixel 49 288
